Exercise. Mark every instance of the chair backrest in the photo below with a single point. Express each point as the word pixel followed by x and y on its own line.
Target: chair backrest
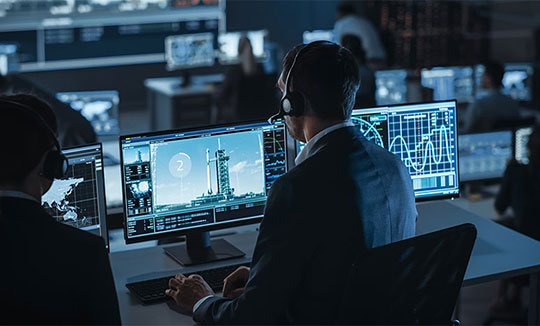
pixel 415 281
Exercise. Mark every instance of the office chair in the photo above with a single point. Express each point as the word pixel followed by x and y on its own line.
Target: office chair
pixel 411 282
pixel 256 97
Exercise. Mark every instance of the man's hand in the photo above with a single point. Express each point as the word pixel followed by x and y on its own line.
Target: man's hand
pixel 234 284
pixel 186 291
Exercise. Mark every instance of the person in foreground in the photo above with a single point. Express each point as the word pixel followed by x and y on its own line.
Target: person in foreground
pixel 345 195
pixel 51 273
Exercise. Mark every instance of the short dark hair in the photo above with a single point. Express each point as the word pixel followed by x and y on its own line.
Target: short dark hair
pixel 354 44
pixel 24 137
pixel 328 76
pixel 495 72
pixel 346 8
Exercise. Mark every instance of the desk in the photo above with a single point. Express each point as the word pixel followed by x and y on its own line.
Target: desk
pixel 498 253
pixel 172 106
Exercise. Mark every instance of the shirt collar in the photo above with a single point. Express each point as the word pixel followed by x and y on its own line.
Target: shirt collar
pixel 307 152
pixel 16 194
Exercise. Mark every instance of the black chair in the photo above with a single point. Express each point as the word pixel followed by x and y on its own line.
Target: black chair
pixel 410 282
pixel 256 97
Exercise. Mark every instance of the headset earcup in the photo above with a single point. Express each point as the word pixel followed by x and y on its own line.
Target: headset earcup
pixel 55 165
pixel 297 102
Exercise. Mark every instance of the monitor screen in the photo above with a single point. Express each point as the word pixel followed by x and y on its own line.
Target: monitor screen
pixel 517 81
pixel 318 35
pixel 67 34
pixel 424 137
pixel 450 83
pixel 192 50
pixel 228 45
pixel 100 108
pixel 199 179
pixel 521 140
pixel 484 156
pixel 391 87
pixel 79 199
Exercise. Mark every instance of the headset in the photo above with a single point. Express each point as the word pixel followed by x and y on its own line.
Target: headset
pixel 55 165
pixel 292 103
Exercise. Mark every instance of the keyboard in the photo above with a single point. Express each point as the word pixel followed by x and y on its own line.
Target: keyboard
pixel 151 291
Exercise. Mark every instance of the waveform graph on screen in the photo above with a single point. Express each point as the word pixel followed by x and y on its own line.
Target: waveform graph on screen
pixel 426 143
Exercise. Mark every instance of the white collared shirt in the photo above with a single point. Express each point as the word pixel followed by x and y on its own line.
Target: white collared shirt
pixel 306 152
pixel 16 194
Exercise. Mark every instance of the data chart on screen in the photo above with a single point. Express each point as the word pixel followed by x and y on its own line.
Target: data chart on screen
pixel 423 136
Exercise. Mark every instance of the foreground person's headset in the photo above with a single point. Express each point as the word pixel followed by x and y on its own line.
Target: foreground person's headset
pixel 292 103
pixel 55 165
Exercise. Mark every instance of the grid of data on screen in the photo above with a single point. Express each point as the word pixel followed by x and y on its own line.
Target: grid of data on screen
pixel 423 136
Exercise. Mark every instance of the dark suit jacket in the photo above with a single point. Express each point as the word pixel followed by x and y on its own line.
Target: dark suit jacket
pixel 51 273
pixel 348 196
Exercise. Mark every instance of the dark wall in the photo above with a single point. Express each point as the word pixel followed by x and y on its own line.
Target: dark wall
pixel 285 21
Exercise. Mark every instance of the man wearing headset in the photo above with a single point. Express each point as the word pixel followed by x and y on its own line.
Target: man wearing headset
pixel 51 273
pixel 345 195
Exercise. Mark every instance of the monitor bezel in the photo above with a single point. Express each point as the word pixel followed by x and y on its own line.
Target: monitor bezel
pixel 492 179
pixel 106 219
pixel 204 228
pixel 436 197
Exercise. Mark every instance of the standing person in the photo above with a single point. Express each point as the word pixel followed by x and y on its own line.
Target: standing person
pixel 351 21
pixel 51 273
pixel 345 195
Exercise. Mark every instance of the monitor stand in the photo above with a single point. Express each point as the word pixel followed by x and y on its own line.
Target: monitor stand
pixel 199 250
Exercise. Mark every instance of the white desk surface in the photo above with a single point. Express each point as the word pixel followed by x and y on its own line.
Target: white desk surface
pixel 170 86
pixel 498 252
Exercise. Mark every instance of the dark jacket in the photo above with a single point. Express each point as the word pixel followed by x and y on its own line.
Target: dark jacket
pixel 52 273
pixel 348 196
pixel 521 191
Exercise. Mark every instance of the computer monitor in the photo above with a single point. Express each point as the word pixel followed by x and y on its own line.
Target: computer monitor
pixel 189 182
pixel 9 61
pixel 318 35
pixel 190 50
pixel 521 139
pixel 100 108
pixel 517 81
pixel 423 136
pixel 450 83
pixel 79 199
pixel 484 156
pixel 391 87
pixel 228 45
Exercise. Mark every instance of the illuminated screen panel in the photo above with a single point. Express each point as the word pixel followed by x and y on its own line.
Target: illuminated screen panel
pixel 203 178
pixel 484 156
pixel 423 136
pixel 68 34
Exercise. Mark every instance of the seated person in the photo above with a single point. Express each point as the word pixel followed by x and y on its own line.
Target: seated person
pixel 484 114
pixel 231 96
pixel 365 97
pixel 520 190
pixel 51 273
pixel 345 195
pixel 73 128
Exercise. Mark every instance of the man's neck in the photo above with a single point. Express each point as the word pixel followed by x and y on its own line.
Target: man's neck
pixel 313 126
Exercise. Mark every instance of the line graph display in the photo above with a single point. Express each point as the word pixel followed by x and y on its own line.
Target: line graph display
pixel 423 136
pixel 425 142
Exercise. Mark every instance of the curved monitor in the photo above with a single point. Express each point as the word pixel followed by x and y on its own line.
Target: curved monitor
pixel 202 179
